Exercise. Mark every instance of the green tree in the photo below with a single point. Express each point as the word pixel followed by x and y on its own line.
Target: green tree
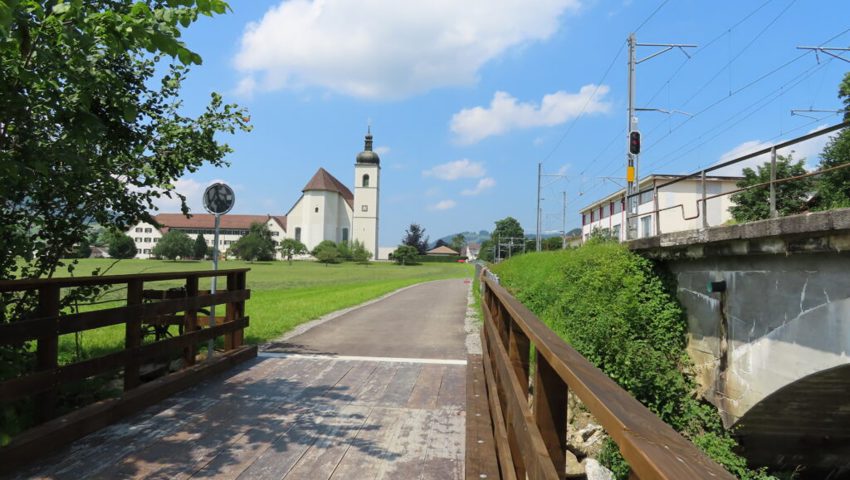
pixel 257 244
pixel 359 253
pixel 327 253
pixel 174 244
pixel 508 230
pixel 486 253
pixel 92 128
pixel 122 246
pixel 754 204
pixel 345 251
pixel 415 237
pixel 290 247
pixel 458 242
pixel 323 244
pixel 199 250
pixel 834 187
pixel 405 255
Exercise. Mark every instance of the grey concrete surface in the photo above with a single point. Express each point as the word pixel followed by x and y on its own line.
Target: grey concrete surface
pixel 425 321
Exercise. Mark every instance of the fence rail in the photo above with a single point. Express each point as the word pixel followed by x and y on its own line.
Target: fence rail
pixel 143 308
pixel 532 441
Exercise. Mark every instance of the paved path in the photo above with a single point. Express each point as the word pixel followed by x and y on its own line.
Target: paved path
pixel 309 416
pixel 425 321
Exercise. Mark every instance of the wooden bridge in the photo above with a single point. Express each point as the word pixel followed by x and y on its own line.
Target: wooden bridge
pixel 326 404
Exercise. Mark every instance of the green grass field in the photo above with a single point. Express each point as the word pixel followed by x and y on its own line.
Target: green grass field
pixel 282 295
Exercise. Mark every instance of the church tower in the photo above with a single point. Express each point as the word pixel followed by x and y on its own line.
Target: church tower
pixel 367 183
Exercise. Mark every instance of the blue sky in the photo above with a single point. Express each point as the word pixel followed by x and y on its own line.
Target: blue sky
pixel 465 98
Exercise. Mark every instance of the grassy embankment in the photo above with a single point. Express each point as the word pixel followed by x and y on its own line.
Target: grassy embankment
pixel 282 296
pixel 619 312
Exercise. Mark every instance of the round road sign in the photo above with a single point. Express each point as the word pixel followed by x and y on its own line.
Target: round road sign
pixel 219 198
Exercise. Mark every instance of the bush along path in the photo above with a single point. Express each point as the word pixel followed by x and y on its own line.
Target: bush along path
pixel 618 311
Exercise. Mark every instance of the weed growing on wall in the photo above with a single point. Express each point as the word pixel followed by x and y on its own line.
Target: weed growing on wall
pixel 615 309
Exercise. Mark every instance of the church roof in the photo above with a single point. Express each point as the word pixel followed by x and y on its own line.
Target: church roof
pixel 323 180
pixel 367 155
pixel 207 220
pixel 441 250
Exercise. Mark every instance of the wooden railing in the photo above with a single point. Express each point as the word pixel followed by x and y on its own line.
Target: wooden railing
pixel 142 308
pixel 532 440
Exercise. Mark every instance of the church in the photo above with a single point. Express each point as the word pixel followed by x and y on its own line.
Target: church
pixel 326 210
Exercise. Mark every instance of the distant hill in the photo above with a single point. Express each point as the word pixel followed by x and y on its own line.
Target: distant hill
pixel 476 237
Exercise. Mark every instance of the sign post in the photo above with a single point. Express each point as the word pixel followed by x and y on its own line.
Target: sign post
pixel 218 200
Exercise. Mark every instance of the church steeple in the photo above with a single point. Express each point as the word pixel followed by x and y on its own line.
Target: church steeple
pixel 367 155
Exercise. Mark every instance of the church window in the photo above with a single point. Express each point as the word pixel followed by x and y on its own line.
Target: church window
pixel 317 209
pixel 364 208
pixel 366 180
pixel 344 234
pixel 298 234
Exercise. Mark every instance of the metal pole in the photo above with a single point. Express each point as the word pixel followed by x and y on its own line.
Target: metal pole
pixel 655 207
pixel 773 213
pixel 211 342
pixel 631 160
pixel 704 203
pixel 564 224
pixel 539 173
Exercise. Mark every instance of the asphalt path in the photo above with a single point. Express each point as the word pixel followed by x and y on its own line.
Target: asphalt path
pixel 424 321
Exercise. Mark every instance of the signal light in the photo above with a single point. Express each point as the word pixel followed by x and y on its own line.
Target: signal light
pixel 634 142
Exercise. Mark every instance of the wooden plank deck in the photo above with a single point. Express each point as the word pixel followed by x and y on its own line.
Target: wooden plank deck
pixel 294 417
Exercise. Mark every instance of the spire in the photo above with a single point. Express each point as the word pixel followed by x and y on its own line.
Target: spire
pixel 368 147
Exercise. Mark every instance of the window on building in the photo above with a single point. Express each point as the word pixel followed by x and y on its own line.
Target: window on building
pixel 646 226
pixel 364 208
pixel 148 230
pixel 366 180
pixel 147 240
pixel 618 206
pixel 344 234
pixel 138 229
pixel 584 219
pixel 615 231
pixel 275 234
pixel 317 210
pixel 646 197
pixel 155 240
pixel 592 216
pixel 298 233
pixel 147 250
pixel 604 211
pixel 138 239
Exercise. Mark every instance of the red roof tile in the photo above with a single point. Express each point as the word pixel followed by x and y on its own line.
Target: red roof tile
pixel 323 180
pixel 207 220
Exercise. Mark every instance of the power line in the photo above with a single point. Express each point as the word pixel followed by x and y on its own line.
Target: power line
pixel 647 19
pixel 586 103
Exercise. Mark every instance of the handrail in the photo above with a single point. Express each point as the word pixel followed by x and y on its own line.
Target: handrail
pixel 64 282
pixel 537 436
pixel 49 321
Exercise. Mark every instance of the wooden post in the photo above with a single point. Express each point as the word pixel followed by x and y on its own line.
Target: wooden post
pixel 47 350
pixel 230 313
pixel 190 320
pixel 550 412
pixel 133 335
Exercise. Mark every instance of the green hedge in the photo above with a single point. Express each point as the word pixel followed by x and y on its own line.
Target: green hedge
pixel 439 259
pixel 615 309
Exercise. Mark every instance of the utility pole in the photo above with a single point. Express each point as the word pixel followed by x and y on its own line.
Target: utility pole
pixel 539 174
pixel 633 152
pixel 564 224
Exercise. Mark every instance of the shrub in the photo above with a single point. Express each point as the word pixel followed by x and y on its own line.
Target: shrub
pixel 615 309
pixel 121 246
pixel 405 255
pixel 174 244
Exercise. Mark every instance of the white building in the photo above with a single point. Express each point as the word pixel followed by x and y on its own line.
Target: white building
pixel 678 205
pixel 232 228
pixel 326 210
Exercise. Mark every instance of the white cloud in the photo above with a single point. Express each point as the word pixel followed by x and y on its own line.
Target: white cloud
pixel 505 113
pixel 382 150
pixel 809 150
pixel 443 205
pixel 380 49
pixel 193 190
pixel 485 183
pixel 456 169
